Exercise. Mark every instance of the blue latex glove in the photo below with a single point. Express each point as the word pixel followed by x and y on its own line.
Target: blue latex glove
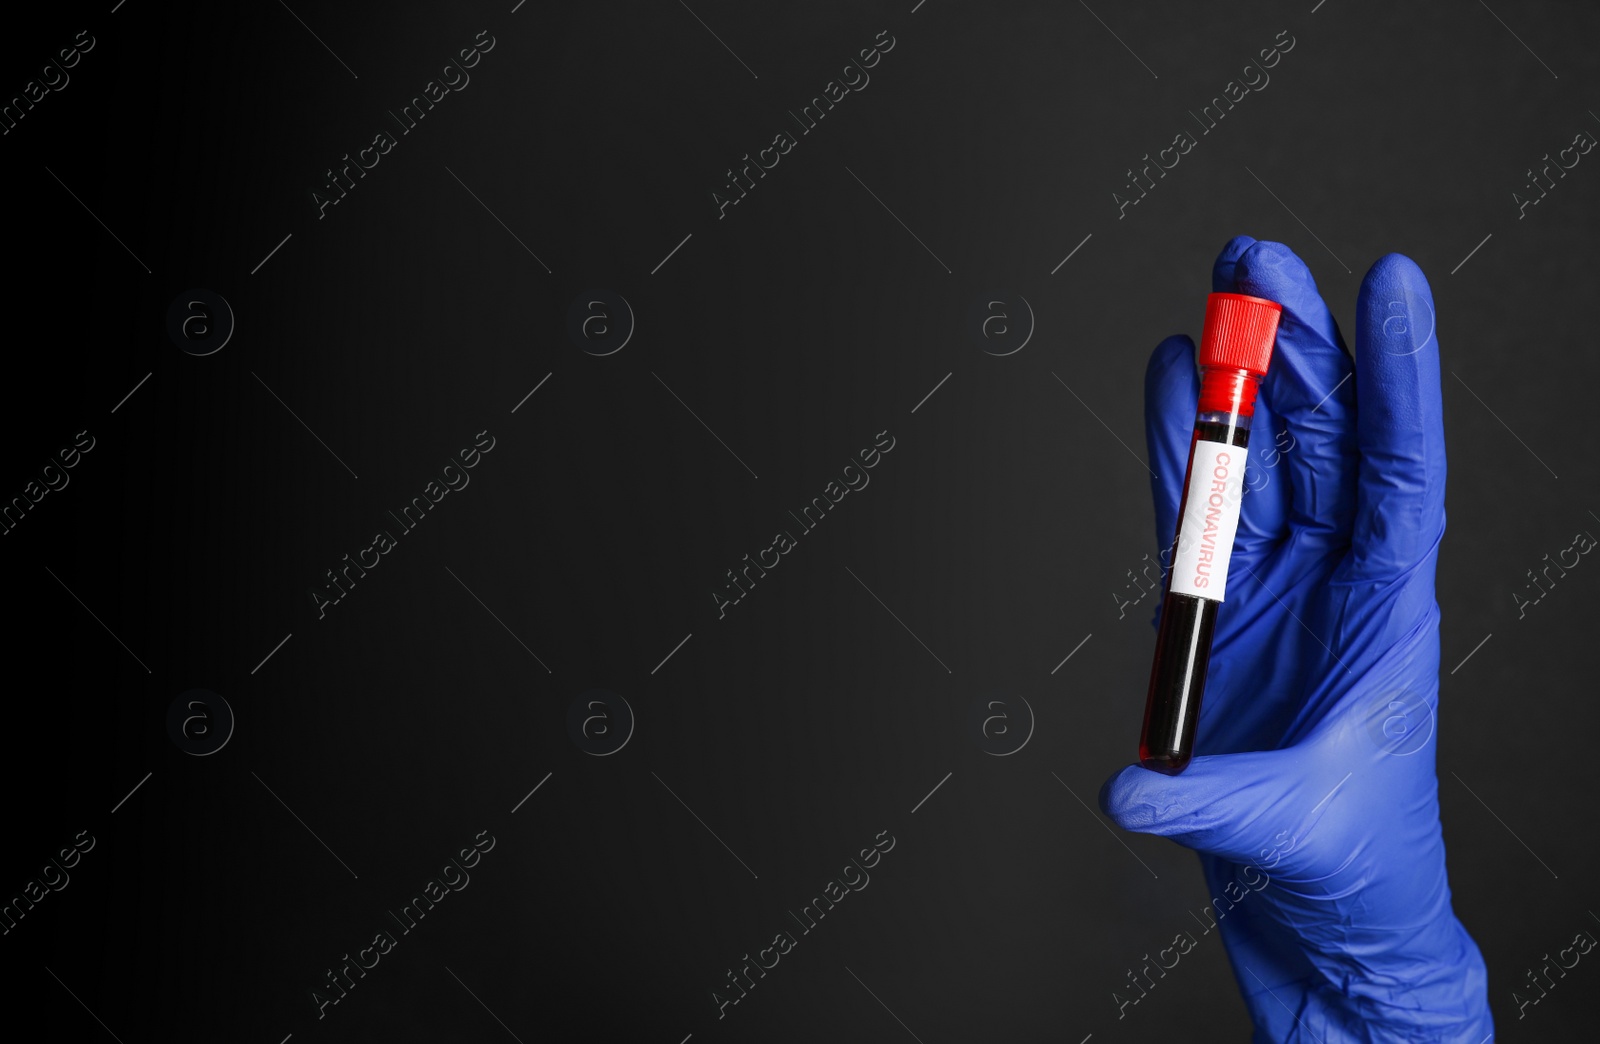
pixel 1315 748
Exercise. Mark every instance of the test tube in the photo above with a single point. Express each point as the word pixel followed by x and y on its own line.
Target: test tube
pixel 1234 352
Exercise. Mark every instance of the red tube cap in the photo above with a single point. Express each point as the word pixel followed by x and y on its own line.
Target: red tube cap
pixel 1239 332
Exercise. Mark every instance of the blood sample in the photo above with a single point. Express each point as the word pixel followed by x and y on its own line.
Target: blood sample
pixel 1234 352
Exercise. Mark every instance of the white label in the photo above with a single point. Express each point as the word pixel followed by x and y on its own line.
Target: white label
pixel 1210 519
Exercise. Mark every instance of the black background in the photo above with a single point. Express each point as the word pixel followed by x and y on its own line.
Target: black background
pixel 798 327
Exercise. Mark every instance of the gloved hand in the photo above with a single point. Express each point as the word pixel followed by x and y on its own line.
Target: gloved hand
pixel 1315 746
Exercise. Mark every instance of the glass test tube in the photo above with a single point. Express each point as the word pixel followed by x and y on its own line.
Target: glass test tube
pixel 1234 353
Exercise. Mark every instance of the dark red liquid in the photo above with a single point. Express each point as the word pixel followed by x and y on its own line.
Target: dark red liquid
pixel 1183 651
